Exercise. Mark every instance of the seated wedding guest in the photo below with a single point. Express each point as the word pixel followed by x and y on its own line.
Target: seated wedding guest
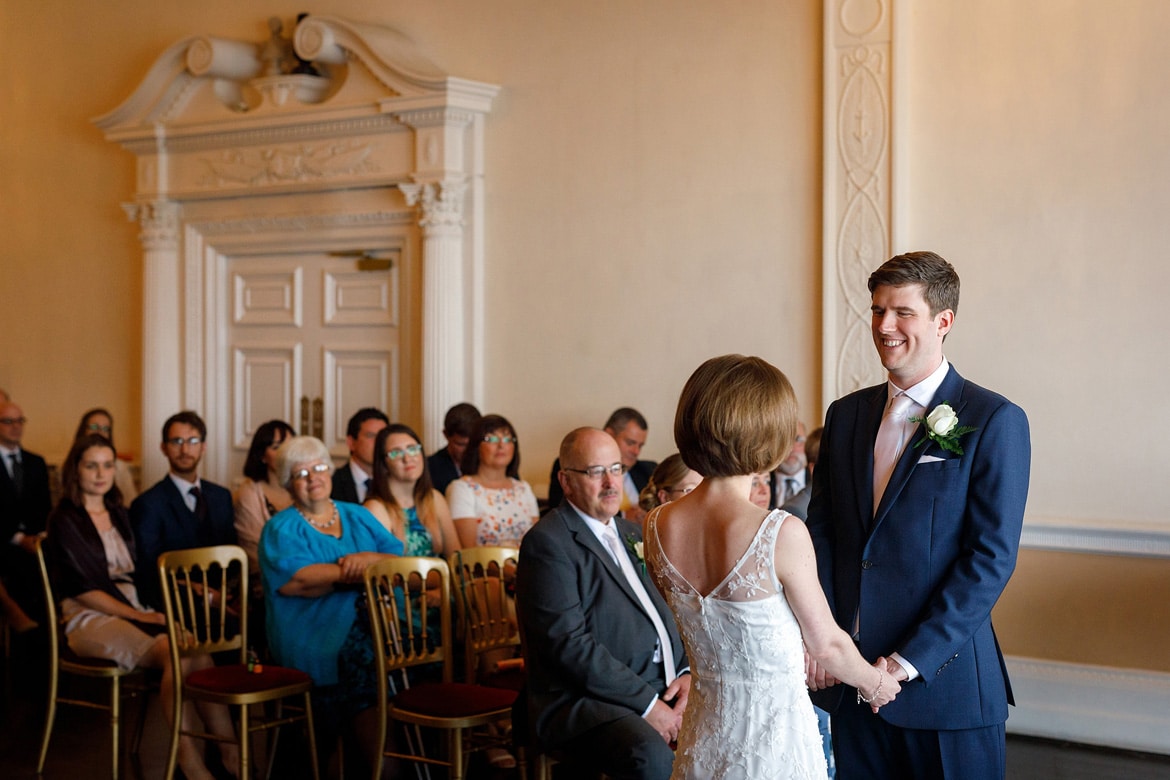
pixel 353 479
pixel 798 504
pixel 608 680
pixel 761 494
pixel 791 476
pixel 402 499
pixel 101 422
pixel 312 557
pixel 92 552
pixel 458 425
pixel 24 505
pixel 742 583
pixel 670 480
pixel 629 429
pixel 490 504
pixel 261 495
pixel 180 511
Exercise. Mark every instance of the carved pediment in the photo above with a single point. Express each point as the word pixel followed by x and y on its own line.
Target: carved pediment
pixel 328 67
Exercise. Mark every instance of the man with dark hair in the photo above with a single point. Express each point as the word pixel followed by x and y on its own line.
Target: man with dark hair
pixel 351 482
pixel 181 510
pixel 916 513
pixel 458 425
pixel 628 428
pixel 24 507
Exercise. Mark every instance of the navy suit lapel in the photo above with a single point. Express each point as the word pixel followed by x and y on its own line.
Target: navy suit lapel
pixel 950 391
pixel 868 421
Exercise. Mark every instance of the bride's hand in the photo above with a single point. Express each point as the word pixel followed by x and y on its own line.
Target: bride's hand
pixel 885 691
pixel 677 693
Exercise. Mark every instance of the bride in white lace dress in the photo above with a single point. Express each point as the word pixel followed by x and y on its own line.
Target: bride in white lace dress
pixel 742 584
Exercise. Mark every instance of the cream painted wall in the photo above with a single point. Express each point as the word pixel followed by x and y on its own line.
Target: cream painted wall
pixel 1037 160
pixel 653 197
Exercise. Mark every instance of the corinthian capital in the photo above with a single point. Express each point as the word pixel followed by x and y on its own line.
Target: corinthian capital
pixel 159 220
pixel 441 202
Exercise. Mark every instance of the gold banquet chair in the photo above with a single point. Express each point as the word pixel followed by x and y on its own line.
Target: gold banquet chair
pixel 407 634
pixel 200 624
pixel 63 661
pixel 486 615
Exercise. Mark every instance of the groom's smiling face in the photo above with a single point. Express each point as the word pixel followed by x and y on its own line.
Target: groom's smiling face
pixel 908 339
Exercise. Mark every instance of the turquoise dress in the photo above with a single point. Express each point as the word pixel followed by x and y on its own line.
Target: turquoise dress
pixel 418 538
pixel 307 633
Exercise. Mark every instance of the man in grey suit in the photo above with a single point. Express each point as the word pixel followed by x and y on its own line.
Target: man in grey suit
pixel 608 680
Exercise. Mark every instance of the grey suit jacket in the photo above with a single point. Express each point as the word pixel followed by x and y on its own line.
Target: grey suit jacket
pixel 589 646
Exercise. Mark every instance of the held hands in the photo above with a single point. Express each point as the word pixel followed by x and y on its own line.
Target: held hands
pixel 886 689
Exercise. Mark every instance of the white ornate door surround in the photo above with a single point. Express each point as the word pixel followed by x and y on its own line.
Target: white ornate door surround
pixel 341 138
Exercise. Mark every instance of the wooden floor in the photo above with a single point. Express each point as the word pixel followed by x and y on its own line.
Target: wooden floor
pixel 80 748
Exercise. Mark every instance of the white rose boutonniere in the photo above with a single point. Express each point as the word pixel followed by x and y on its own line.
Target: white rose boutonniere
pixel 634 545
pixel 942 427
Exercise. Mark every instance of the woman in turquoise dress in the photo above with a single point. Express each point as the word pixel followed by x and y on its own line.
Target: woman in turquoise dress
pixel 402 497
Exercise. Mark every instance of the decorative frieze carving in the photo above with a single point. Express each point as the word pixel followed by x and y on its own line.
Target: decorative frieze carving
pixel 257 167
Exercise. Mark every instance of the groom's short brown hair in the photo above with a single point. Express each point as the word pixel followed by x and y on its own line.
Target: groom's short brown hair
pixel 939 280
pixel 736 416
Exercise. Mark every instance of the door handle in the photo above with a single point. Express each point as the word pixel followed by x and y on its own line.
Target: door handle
pixel 318 418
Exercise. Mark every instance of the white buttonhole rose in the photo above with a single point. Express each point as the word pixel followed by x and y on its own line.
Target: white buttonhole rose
pixel 942 420
pixel 638 550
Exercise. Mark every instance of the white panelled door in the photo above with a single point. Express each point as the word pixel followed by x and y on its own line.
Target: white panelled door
pixel 312 340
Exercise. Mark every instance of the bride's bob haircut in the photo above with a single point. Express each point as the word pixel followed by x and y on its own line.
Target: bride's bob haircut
pixel 736 416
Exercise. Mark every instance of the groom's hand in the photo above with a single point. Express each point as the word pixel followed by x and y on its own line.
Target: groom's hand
pixel 895 670
pixel 815 675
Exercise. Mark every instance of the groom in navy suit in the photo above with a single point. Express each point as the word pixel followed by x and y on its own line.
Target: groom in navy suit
pixel 916 513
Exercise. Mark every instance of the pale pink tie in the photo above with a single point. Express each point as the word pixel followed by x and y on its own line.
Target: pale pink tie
pixel 891 440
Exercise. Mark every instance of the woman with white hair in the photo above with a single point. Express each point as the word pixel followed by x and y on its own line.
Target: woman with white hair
pixel 312 558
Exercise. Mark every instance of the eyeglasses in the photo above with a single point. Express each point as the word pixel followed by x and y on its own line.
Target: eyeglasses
pixel 179 441
pixel 491 438
pixel 596 472
pixel 317 468
pixel 683 490
pixel 13 420
pixel 410 449
pixel 98 428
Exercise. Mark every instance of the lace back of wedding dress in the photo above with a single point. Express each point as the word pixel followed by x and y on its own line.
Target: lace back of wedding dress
pixel 749 715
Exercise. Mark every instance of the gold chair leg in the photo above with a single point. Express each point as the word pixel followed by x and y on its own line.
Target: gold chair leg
pixel 456 754
pixel 50 716
pixel 312 736
pixel 115 716
pixel 245 742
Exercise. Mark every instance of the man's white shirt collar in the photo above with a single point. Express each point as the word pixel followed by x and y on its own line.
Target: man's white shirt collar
pixel 922 393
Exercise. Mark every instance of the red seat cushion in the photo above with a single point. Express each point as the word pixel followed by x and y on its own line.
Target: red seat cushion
pixel 236 678
pixel 453 700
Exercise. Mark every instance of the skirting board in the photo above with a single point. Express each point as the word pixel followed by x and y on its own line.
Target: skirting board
pixel 1094 705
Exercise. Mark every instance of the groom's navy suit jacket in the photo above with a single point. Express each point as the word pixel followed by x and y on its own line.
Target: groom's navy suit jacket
pixel 926 571
pixel 589 646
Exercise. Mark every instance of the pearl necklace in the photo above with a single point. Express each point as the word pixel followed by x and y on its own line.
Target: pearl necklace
pixel 331 522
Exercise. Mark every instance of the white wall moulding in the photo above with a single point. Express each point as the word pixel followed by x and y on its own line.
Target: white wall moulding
pixel 1114 538
pixel 858 181
pixel 246 148
pixel 1095 705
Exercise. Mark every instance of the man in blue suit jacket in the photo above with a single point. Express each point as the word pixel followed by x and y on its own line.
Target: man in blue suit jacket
pixel 913 571
pixel 181 511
